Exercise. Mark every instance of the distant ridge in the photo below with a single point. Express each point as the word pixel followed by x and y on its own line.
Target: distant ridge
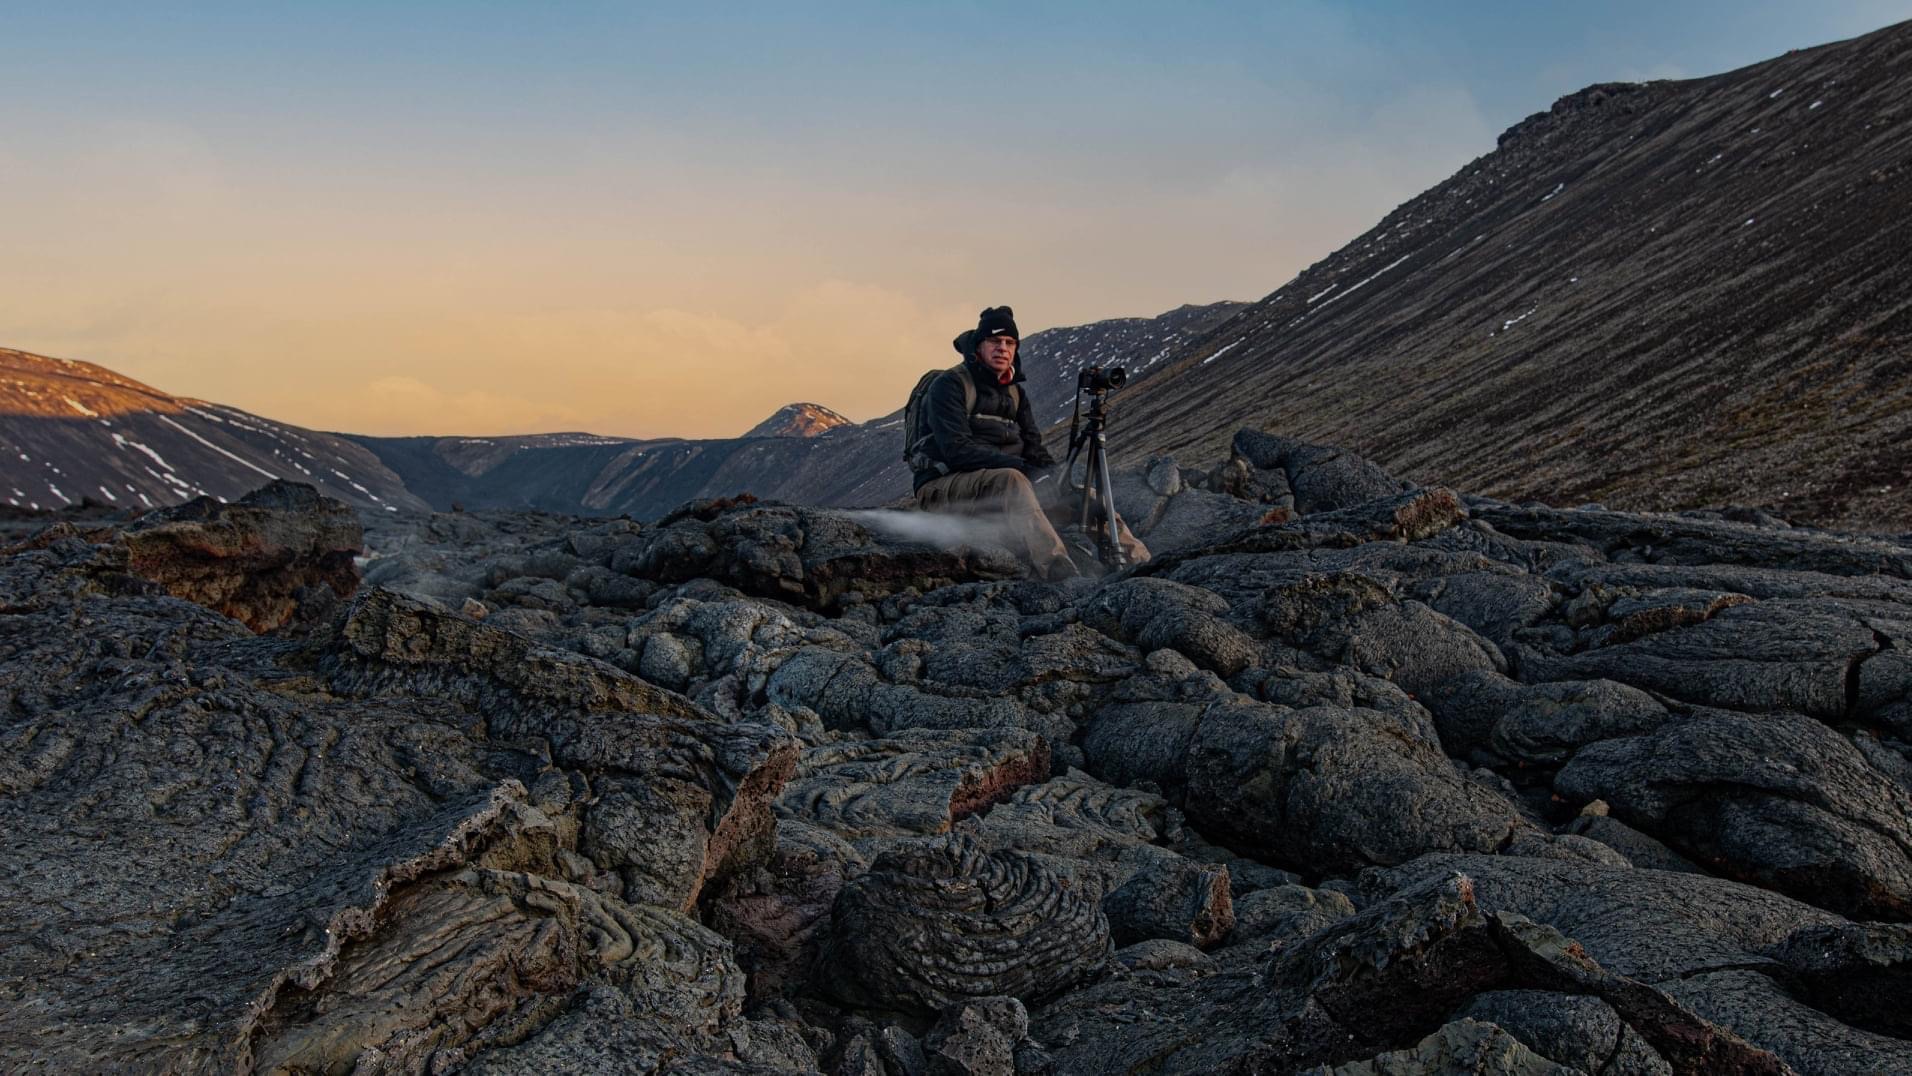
pixel 843 464
pixel 72 431
pixel 798 420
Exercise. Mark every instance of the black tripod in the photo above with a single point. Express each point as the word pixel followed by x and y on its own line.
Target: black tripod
pixel 1092 502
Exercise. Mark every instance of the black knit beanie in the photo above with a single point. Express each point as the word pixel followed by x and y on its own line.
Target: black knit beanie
pixel 997 321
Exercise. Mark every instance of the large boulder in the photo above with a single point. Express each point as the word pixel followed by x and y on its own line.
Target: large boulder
pixel 253 560
pixel 249 559
pixel 977 1038
pixel 1321 478
pixel 1304 788
pixel 1774 655
pixel 479 951
pixel 1286 912
pixel 1301 786
pixel 941 920
pixel 1482 713
pixel 772 913
pixel 1157 613
pixel 391 644
pixel 1353 619
pixel 1774 799
pixel 1194 517
pixel 1173 899
pixel 1582 1034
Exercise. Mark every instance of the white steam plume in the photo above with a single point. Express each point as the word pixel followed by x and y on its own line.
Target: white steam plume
pixel 939 529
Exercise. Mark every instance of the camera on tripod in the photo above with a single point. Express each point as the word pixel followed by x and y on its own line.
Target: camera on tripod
pixel 1096 379
pixel 1091 501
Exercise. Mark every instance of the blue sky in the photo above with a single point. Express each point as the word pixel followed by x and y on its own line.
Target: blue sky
pixel 436 217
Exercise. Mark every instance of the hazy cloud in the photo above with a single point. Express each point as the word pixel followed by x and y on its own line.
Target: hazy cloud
pixel 395 404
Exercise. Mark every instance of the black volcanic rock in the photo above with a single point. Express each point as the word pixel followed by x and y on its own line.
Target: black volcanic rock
pixel 917 782
pixel 1296 787
pixel 1379 981
pixel 1808 815
pixel 1722 951
pixel 255 560
pixel 942 920
pixel 756 788
pixel 238 838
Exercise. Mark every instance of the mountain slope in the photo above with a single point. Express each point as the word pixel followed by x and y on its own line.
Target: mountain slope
pixel 1657 295
pixel 545 472
pixel 72 430
pixel 1054 358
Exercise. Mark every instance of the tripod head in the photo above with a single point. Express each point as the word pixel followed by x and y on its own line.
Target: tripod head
pixel 1096 383
pixel 1098 380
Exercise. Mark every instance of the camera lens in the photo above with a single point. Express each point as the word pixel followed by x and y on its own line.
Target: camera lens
pixel 1098 379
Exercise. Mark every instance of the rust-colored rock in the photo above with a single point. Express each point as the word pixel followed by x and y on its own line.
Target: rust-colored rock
pixel 249 559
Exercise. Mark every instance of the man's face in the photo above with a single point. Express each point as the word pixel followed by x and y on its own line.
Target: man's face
pixel 998 353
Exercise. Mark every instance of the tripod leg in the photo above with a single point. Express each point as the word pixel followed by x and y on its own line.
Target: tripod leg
pixel 1067 487
pixel 1110 540
pixel 1085 501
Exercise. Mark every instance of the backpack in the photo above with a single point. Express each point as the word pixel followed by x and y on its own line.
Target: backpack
pixel 916 435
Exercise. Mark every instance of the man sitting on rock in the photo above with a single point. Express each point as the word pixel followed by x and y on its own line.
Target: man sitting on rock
pixel 985 454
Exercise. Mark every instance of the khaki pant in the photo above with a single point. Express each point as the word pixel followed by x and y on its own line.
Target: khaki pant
pixel 1008 492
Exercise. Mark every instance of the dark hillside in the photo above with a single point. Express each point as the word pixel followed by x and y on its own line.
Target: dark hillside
pixel 72 432
pixel 546 472
pixel 1652 295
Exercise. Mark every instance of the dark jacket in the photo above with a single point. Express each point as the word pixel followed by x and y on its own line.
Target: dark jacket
pixel 995 434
